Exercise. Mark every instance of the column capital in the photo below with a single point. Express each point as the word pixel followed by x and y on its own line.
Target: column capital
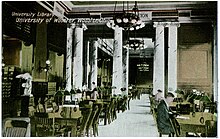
pixel 177 24
pixel 77 25
pixel 93 39
pixel 81 25
pixel 157 24
pixel 166 24
pixel 118 28
pixel 71 25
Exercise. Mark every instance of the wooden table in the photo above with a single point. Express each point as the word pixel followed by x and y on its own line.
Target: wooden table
pixel 193 124
pixel 67 117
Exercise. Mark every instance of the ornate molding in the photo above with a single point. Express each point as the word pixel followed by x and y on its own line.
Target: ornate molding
pixel 177 24
pixel 71 25
pixel 158 24
pixel 166 24
pixel 77 25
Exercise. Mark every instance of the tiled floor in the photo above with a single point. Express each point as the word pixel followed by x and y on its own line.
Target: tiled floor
pixel 136 122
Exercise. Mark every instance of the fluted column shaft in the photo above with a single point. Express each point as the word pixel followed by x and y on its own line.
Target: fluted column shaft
pixel 117 62
pixel 216 63
pixel 159 60
pixel 172 56
pixel 94 62
pixel 78 58
pixel 69 46
pixel 125 69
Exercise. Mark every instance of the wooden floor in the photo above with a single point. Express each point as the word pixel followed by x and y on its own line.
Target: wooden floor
pixel 136 122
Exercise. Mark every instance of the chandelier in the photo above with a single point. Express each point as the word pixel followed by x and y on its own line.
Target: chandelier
pixel 127 20
pixel 135 44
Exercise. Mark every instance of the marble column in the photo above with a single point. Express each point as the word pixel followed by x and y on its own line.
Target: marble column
pixel 125 65
pixel 172 56
pixel 159 59
pixel 69 46
pixel 94 62
pixel 78 57
pixel 216 63
pixel 117 62
pixel 87 64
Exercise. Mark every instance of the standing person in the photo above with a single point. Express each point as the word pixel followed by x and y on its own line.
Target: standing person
pixel 84 90
pixel 93 86
pixel 163 116
pixel 94 94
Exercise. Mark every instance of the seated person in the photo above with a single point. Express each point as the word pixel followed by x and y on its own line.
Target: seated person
pixel 163 115
pixel 180 97
pixel 158 96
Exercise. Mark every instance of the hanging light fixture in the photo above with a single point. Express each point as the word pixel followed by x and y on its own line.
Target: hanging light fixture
pixel 46 68
pixel 135 44
pixel 127 20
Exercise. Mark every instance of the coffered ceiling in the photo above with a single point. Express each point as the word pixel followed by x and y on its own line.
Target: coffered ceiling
pixel 178 11
pixel 159 9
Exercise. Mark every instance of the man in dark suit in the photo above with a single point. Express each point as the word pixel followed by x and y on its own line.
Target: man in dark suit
pixel 163 116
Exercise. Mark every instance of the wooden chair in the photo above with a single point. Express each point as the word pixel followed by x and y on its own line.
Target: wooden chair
pixel 152 104
pixel 96 119
pixel 122 103
pixel 86 111
pixel 114 109
pixel 43 125
pixel 129 99
pixel 125 99
pixel 161 133
pixel 50 127
pixel 175 126
pixel 16 127
pixel 66 127
pixel 104 112
pixel 109 111
pixel 209 107
pixel 211 128
pixel 90 121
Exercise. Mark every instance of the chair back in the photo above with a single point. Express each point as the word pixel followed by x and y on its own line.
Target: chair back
pixel 66 126
pixel 86 111
pixel 178 100
pixel 16 127
pixel 91 118
pixel 211 128
pixel 111 105
pixel 175 126
pixel 96 118
pixel 209 107
pixel 183 108
pixel 43 125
